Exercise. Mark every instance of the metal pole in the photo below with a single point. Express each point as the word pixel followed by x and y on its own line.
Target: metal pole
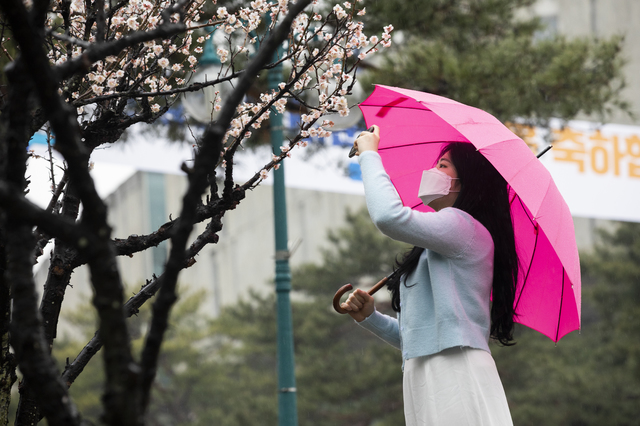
pixel 287 404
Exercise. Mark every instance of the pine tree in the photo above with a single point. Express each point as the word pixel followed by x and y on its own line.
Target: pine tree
pixel 482 54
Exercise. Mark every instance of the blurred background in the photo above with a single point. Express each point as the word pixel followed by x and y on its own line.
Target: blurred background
pixel 560 72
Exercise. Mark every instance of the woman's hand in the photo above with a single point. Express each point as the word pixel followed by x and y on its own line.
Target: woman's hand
pixel 359 305
pixel 368 141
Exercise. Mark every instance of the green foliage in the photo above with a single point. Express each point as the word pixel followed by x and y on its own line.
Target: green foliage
pixel 479 54
pixel 223 371
pixel 461 24
pixel 345 376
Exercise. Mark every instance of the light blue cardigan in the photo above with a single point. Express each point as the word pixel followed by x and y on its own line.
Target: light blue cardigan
pixel 446 301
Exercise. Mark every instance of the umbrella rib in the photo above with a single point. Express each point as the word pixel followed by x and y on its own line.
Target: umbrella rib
pixel 524 209
pixel 394 107
pixel 533 254
pixel 560 310
pixel 535 245
pixel 410 145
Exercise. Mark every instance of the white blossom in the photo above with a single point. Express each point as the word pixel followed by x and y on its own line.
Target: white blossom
pixel 97 89
pixel 339 11
pixel 132 23
pixel 222 12
pixel 223 54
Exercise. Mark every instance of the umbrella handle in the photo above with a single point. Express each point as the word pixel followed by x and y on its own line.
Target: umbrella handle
pixel 345 288
pixel 354 150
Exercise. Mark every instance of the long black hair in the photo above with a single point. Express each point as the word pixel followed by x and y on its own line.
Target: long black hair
pixel 484 194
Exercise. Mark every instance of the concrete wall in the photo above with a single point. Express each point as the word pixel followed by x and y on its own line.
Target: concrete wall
pixel 605 18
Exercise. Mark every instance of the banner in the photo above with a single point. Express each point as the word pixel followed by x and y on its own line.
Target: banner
pixel 595 167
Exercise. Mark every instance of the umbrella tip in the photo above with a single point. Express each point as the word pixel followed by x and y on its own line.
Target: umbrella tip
pixel 544 151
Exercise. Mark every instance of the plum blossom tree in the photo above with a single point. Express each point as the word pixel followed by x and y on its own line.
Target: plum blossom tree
pixel 85 71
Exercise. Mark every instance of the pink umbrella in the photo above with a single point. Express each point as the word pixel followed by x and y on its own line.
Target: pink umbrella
pixel 414 126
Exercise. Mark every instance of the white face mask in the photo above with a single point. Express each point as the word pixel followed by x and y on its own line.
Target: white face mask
pixel 433 185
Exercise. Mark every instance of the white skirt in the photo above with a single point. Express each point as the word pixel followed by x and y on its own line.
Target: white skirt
pixel 456 387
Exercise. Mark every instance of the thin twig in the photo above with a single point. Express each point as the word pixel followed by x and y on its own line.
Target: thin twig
pixel 193 87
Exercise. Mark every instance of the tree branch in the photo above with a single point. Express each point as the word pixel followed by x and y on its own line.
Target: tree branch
pixel 59 270
pixel 120 393
pixel 192 87
pixel 15 204
pixel 73 370
pixel 69 39
pixel 138 243
pixel 41 380
pixel 42 237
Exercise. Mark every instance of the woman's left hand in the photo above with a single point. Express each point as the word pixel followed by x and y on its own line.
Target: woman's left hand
pixel 359 305
pixel 368 141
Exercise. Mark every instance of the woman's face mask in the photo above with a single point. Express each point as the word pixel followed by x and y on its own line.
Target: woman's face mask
pixel 433 185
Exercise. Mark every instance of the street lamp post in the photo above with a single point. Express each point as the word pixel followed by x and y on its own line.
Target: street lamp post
pixel 200 106
pixel 287 397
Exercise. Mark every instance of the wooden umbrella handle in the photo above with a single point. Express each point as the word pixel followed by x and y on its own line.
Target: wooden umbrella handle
pixel 345 288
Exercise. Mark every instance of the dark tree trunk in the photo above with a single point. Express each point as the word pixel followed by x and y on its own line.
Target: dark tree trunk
pixel 7 363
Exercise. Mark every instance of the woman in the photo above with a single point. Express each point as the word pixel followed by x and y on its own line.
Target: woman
pixel 455 289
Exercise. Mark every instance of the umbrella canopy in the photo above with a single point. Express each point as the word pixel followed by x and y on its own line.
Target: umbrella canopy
pixel 413 128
